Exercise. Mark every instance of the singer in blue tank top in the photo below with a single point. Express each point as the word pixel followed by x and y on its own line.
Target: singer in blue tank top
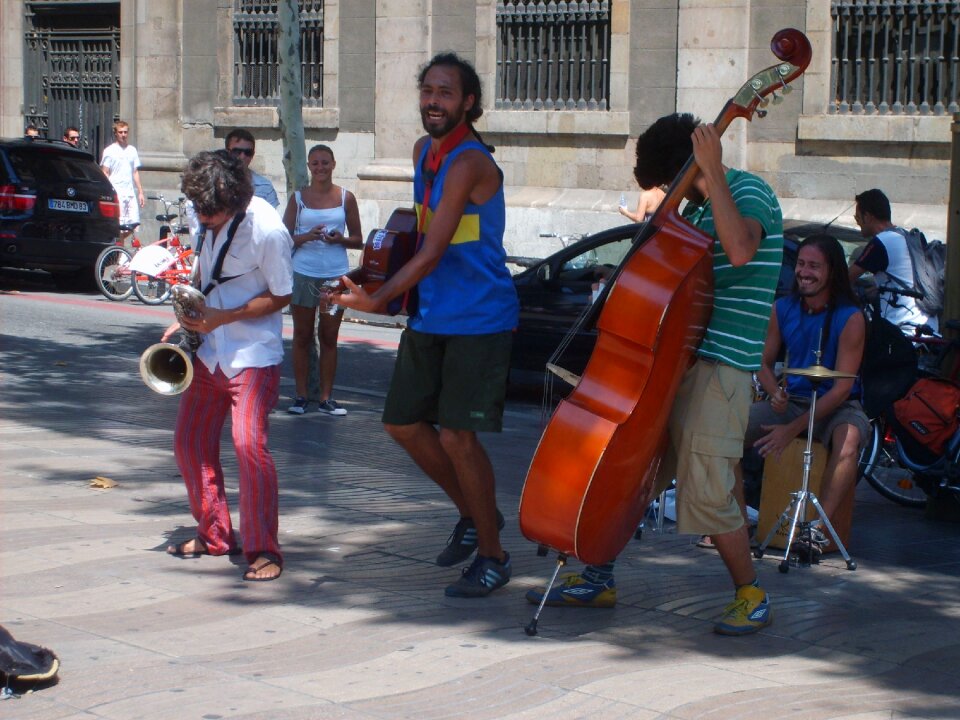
pixel 449 381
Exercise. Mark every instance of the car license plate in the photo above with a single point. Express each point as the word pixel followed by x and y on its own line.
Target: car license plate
pixel 68 205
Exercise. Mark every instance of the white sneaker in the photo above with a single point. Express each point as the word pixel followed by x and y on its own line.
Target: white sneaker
pixel 331 407
pixel 299 406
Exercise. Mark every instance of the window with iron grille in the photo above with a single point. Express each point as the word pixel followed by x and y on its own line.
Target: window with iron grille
pixel 255 39
pixel 553 55
pixel 895 57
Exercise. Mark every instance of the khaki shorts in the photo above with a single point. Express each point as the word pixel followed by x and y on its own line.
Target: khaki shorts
pixel 848 413
pixel 707 426
pixel 456 381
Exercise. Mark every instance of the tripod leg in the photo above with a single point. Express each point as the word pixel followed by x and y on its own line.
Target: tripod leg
pixel 851 563
pixel 531 627
pixel 799 502
pixel 781 521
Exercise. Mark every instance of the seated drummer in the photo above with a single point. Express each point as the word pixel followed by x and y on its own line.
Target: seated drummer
pixel 820 314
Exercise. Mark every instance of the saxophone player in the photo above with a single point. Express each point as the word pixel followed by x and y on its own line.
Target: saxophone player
pixel 246 275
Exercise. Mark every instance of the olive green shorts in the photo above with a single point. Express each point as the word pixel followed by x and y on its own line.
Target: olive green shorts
pixel 455 381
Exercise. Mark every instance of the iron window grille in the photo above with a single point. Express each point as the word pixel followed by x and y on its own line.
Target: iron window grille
pixel 895 57
pixel 553 55
pixel 255 52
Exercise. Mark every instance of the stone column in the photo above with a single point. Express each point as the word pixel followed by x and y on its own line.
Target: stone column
pixel 11 68
pixel 150 71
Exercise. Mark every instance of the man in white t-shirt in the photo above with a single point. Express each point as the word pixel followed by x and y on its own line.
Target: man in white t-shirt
pixel 887 257
pixel 121 164
pixel 247 277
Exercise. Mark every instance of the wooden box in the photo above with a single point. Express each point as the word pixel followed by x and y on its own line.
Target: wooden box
pixel 784 476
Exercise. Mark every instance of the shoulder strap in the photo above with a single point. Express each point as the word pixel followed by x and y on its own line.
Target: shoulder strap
pixel 216 277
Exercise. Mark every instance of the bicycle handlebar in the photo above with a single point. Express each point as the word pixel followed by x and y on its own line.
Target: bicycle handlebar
pixel 902 292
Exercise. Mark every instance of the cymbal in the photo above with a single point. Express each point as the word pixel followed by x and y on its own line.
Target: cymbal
pixel 818 372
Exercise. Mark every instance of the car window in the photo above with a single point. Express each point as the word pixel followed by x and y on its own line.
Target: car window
pixel 33 166
pixel 610 254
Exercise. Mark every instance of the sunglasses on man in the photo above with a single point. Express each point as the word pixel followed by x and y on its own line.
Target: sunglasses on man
pixel 242 151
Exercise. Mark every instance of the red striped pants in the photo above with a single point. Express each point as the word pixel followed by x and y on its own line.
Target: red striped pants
pixel 249 396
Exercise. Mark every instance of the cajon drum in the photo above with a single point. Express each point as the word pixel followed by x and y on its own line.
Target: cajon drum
pixel 784 476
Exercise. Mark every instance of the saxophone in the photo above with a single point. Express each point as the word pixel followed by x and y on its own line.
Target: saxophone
pixel 167 368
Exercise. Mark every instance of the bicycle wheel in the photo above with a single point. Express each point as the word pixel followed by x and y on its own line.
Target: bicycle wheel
pixel 879 465
pixel 112 273
pixel 151 290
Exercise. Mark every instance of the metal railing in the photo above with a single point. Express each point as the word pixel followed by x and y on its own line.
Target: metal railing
pixel 896 57
pixel 553 55
pixel 255 60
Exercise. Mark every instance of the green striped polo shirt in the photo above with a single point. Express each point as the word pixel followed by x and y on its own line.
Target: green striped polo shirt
pixel 742 296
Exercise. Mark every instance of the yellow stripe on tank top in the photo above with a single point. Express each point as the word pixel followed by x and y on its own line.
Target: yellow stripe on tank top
pixel 467 231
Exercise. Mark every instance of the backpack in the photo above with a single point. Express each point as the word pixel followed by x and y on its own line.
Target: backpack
pixel 930 412
pixel 889 365
pixel 929 261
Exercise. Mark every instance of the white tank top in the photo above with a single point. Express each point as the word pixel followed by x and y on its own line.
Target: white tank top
pixel 317 258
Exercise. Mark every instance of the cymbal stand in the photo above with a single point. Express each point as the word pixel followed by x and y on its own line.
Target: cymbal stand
pixel 798 504
pixel 531 627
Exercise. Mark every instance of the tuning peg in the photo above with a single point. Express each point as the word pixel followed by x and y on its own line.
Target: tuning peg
pixel 777 99
pixel 785 89
pixel 761 113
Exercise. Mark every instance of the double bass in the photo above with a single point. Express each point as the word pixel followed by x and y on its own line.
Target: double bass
pixel 592 475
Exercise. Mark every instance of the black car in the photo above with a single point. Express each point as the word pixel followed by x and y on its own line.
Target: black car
pixel 57 208
pixel 555 291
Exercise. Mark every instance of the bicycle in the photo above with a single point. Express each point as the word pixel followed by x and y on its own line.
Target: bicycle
pixel 155 289
pixel 112 268
pixel 896 469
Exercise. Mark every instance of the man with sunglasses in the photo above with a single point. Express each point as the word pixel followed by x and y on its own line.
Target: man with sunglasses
pixel 241 144
pixel 72 135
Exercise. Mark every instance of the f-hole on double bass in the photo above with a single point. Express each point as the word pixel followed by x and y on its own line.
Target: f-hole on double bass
pixel 592 475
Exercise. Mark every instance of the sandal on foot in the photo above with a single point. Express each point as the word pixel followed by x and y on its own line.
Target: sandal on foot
pixel 251 574
pixel 180 550
pixel 706 542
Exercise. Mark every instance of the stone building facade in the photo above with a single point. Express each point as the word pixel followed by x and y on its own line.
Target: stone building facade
pixel 565 169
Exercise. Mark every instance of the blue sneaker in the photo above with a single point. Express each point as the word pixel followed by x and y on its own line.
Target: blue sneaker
pixel 749 612
pixel 482 577
pixel 575 591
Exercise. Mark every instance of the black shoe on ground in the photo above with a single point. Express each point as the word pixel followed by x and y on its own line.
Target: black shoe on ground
pixel 482 577
pixel 462 542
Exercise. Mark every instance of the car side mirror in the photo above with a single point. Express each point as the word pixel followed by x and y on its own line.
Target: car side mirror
pixel 544 273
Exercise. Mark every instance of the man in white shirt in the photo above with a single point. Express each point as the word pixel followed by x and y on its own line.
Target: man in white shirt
pixel 887 257
pixel 247 277
pixel 121 164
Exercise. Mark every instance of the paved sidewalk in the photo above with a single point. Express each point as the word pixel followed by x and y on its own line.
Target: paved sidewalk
pixel 358 626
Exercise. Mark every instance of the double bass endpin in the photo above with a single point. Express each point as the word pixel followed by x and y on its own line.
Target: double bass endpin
pixel 531 627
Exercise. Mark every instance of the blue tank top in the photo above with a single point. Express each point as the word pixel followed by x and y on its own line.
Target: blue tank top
pixel 800 331
pixel 470 291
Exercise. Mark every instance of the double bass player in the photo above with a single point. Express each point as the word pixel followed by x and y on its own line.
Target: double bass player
pixel 709 416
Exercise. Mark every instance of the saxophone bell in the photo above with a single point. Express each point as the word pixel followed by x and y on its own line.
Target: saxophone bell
pixel 167 368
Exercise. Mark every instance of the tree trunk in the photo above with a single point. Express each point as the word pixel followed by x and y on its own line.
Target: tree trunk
pixel 291 98
pixel 290 111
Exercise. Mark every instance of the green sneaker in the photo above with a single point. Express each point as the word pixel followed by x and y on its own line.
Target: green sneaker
pixel 749 612
pixel 575 591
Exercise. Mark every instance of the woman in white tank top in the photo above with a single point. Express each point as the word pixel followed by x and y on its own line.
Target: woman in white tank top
pixel 324 221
